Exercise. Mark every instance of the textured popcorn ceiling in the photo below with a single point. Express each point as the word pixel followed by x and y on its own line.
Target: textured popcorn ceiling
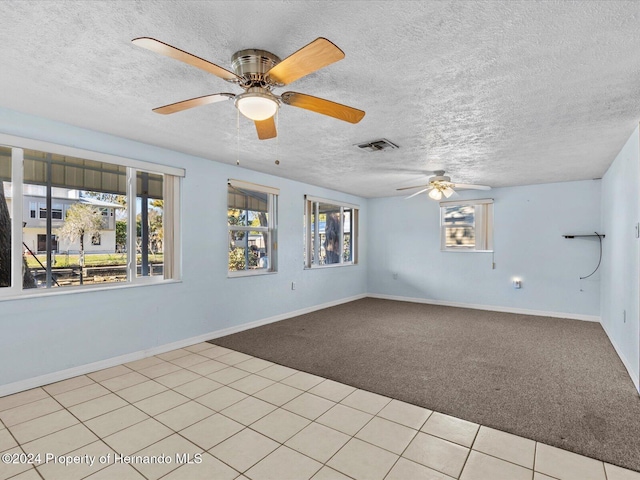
pixel 497 93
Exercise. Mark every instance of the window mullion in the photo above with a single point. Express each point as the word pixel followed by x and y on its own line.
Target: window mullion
pixel 270 223
pixel 246 240
pixel 17 174
pixel 307 228
pixel 48 242
pixel 355 222
pixel 131 225
pixel 273 228
pixel 144 224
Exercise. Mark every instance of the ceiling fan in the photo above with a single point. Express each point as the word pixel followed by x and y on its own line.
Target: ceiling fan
pixel 258 72
pixel 440 185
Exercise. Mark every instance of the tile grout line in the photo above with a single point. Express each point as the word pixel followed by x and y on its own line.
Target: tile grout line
pixel 405 448
pixel 34 418
pixel 100 439
pixel 503 460
pixel 471 449
pixel 19 445
pixel 354 436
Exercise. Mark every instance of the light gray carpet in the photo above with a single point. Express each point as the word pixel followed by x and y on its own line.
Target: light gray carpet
pixel 553 380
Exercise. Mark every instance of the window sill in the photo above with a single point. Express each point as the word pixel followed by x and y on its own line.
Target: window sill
pixel 331 265
pixel 41 292
pixel 249 273
pixel 465 250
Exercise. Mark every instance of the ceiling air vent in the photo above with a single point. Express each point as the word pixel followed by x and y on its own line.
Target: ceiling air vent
pixel 377 145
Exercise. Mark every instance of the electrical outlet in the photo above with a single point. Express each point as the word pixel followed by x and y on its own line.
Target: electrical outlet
pixel 293 285
pixel 517 284
pixel 395 276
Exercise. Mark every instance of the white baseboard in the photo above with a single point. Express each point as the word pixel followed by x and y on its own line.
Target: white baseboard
pixel 493 308
pixel 58 376
pixel 277 318
pixel 623 358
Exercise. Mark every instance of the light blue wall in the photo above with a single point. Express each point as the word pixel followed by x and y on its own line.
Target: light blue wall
pixel 529 224
pixel 57 332
pixel 620 263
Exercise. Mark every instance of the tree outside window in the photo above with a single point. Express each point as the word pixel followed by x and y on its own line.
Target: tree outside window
pixel 82 220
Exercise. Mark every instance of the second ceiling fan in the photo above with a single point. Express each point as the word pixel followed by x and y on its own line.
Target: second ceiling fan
pixel 440 185
pixel 258 72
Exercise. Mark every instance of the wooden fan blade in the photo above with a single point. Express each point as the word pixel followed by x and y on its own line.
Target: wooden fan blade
pixel 417 186
pixel 266 129
pixel 325 107
pixel 314 56
pixel 193 102
pixel 173 52
pixel 470 187
pixel 418 193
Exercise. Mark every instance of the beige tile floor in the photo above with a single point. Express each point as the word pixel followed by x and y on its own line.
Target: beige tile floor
pixel 206 412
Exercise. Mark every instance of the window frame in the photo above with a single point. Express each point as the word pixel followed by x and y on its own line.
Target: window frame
pixel 271 229
pixel 18 145
pixel 311 208
pixel 483 223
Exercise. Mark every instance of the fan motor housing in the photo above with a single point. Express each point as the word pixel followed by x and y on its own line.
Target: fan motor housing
pixel 252 64
pixel 440 178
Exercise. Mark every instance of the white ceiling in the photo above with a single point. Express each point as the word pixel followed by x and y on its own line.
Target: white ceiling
pixel 499 93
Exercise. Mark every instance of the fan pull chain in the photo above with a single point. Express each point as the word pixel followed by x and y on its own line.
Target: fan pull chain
pixel 278 137
pixel 237 137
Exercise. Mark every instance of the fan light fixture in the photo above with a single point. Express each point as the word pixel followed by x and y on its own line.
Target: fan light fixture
pixel 257 105
pixel 441 189
pixel 436 194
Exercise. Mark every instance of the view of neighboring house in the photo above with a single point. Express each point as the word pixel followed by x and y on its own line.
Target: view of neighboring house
pixel 34 233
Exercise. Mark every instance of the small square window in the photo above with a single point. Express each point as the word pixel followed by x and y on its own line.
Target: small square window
pixel 466 226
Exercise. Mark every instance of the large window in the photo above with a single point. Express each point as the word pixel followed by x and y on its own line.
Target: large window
pixel 252 222
pixel 466 225
pixel 73 218
pixel 331 233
